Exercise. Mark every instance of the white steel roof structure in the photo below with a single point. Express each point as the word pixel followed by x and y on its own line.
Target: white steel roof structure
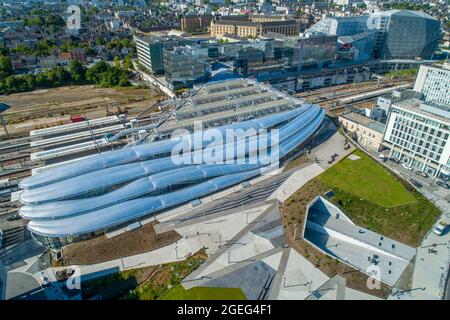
pixel 117 187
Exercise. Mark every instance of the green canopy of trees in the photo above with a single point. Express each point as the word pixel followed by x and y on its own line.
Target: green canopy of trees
pixel 100 73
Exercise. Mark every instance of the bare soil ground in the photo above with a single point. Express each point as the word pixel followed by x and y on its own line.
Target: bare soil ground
pixel 126 244
pixel 49 107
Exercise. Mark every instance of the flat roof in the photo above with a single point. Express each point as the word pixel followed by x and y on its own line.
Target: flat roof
pixel 415 106
pixel 333 232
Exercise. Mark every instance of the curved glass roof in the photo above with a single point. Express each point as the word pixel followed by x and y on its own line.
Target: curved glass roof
pixel 119 186
pixel 144 151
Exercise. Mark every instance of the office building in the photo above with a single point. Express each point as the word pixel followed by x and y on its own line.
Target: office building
pixel 405 34
pixel 418 134
pixel 402 34
pixel 186 66
pixel 150 50
pixel 433 83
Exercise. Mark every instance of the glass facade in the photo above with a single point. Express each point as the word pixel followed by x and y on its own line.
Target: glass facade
pixel 418 140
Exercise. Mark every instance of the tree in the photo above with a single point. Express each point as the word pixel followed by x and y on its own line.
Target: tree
pixel 6 65
pixel 95 72
pixel 127 62
pixel 76 71
pixel 117 61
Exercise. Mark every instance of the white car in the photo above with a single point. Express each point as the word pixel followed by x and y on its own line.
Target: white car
pixel 407 167
pixel 440 227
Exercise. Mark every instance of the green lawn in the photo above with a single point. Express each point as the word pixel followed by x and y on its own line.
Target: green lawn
pixel 204 293
pixel 366 179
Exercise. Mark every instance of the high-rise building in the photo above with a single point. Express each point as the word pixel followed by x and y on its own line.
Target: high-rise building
pixel 433 83
pixel 398 33
pixel 405 34
pixel 418 126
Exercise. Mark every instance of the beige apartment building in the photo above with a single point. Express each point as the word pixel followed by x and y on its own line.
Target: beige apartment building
pixel 368 132
pixel 253 26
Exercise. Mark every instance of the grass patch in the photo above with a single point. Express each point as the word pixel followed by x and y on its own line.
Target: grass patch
pixel 204 293
pixel 166 277
pixel 369 202
pixel 406 223
pixel 368 180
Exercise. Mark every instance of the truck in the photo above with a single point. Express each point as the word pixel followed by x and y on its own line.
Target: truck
pixel 440 227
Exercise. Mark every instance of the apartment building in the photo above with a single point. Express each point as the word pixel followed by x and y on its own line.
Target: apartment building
pixel 253 26
pixel 367 132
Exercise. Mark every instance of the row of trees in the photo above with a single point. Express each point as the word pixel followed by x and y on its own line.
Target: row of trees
pixel 100 73
pixel 44 47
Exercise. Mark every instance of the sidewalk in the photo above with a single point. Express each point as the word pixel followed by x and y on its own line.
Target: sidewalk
pixel 430 269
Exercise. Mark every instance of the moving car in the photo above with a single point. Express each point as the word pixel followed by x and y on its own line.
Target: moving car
pixel 440 228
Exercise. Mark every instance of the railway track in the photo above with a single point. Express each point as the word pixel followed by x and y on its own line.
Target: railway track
pixel 16 175
pixel 349 90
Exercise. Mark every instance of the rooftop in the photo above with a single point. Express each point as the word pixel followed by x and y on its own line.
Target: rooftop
pixel 437 112
pixel 329 229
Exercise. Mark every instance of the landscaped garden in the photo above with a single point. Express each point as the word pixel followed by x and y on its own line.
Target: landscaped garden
pixel 148 283
pixel 373 198
pixel 204 293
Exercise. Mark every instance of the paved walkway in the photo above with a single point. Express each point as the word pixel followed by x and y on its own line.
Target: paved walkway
pixel 296 181
pixel 430 270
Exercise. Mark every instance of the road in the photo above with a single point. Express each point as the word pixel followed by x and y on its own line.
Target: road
pixel 431 266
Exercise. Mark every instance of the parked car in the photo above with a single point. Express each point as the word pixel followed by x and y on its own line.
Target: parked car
pixel 416 183
pixel 1 238
pixel 14 217
pixel 407 167
pixel 395 160
pixel 443 184
pixel 440 227
pixel 423 174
